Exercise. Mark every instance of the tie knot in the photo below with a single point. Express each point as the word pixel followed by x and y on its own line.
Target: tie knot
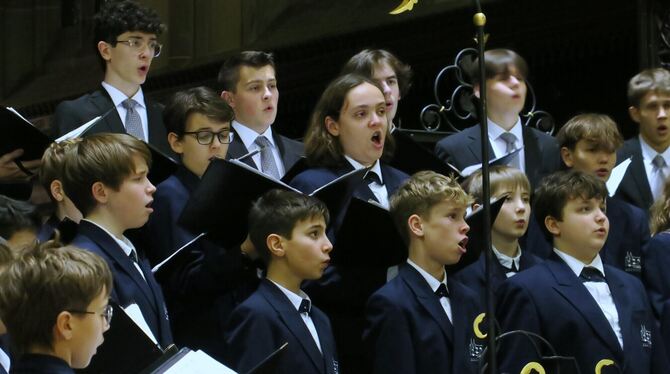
pixel 305 306
pixel 262 141
pixel 371 176
pixel 133 256
pixel 442 291
pixel 658 162
pixel 509 138
pixel 591 274
pixel 129 104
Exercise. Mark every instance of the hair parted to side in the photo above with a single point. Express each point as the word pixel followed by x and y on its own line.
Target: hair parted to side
pixel 106 158
pixel 499 61
pixel 366 61
pixel 420 193
pixel 501 177
pixel 660 211
pixel 229 74
pixel 202 100
pixel 648 80
pixel 557 189
pixel 43 281
pixel 278 212
pixel 599 129
pixel 324 149
pixel 53 162
pixel 118 17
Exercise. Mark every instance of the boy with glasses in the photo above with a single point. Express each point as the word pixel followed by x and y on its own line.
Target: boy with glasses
pixel 126 35
pixel 53 300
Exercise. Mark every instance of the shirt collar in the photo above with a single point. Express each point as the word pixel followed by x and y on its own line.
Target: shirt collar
pixel 432 282
pixel 648 153
pixel 294 298
pixel 118 97
pixel 506 260
pixel 375 168
pixel 4 360
pixel 496 130
pixel 576 266
pixel 124 243
pixel 248 136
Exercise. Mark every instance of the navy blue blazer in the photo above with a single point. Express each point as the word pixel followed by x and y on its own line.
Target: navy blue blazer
pixel 634 188
pixel 665 326
pixel 407 330
pixel 656 271
pixel 474 275
pixel 290 150
pixel 550 300
pixel 267 320
pixel 73 113
pixel 30 363
pixel 542 155
pixel 129 286
pixel 47 229
pixel 626 241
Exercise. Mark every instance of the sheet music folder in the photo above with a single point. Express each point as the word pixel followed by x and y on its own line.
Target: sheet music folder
pixel 221 202
pixel 18 132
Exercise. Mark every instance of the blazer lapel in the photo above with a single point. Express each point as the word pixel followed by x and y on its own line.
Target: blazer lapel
pixel 639 174
pixel 114 251
pixel 622 301
pixel 427 299
pixel 576 294
pixel 291 318
pixel 532 152
pixel 288 158
pixel 236 149
pixel 327 345
pixel 101 100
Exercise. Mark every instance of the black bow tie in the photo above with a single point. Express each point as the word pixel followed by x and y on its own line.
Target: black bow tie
pixel 442 291
pixel 511 269
pixel 371 176
pixel 305 306
pixel 591 274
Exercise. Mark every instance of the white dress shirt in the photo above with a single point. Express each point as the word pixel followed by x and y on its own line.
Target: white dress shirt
pixel 434 284
pixel 125 245
pixel 507 261
pixel 118 97
pixel 599 290
pixel 4 360
pixel 248 138
pixel 296 299
pixel 500 146
pixel 378 189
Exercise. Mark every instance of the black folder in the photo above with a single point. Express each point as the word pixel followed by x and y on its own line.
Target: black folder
pixel 221 203
pixel 176 260
pixel 368 237
pixel 127 349
pixel 162 165
pixel 270 364
pixel 411 157
pixel 18 132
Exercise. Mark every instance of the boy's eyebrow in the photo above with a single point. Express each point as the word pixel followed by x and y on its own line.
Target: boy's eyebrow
pixel 271 80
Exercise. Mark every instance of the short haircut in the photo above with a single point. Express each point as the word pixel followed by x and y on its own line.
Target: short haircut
pixel 44 281
pixel 53 161
pixel 229 75
pixel 660 211
pixel 278 212
pixel 499 61
pixel 17 215
pixel 557 189
pixel 365 62
pixel 322 148
pixel 106 158
pixel 648 80
pixel 420 193
pixel 599 129
pixel 202 100
pixel 500 177
pixel 118 17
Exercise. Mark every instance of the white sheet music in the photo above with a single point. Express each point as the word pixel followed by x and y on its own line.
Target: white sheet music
pixel 616 176
pixel 133 311
pixel 79 130
pixel 198 362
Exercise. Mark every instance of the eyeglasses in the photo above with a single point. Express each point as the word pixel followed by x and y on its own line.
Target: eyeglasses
pixel 107 313
pixel 138 45
pixel 205 137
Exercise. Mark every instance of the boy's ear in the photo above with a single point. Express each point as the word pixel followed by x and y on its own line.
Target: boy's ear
pixel 634 113
pixel 275 244
pixel 56 190
pixel 99 191
pixel 552 226
pixel 63 328
pixel 175 143
pixel 229 98
pixel 415 224
pixel 566 155
pixel 332 126
pixel 104 49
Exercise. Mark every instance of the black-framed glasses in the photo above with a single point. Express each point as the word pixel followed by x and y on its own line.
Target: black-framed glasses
pixel 107 313
pixel 138 45
pixel 206 137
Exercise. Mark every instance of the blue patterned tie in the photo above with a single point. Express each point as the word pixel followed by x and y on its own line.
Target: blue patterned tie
pixel 510 140
pixel 133 121
pixel 268 164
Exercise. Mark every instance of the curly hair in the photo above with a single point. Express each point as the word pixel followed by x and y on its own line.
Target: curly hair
pixel 660 212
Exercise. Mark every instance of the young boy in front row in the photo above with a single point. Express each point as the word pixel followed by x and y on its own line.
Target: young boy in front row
pixel 288 231
pixel 582 307
pixel 421 321
pixel 509 226
pixel 105 175
pixel 53 301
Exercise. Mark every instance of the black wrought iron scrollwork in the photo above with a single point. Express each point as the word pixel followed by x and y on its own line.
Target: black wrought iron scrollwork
pixel 454 109
pixel 663 27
